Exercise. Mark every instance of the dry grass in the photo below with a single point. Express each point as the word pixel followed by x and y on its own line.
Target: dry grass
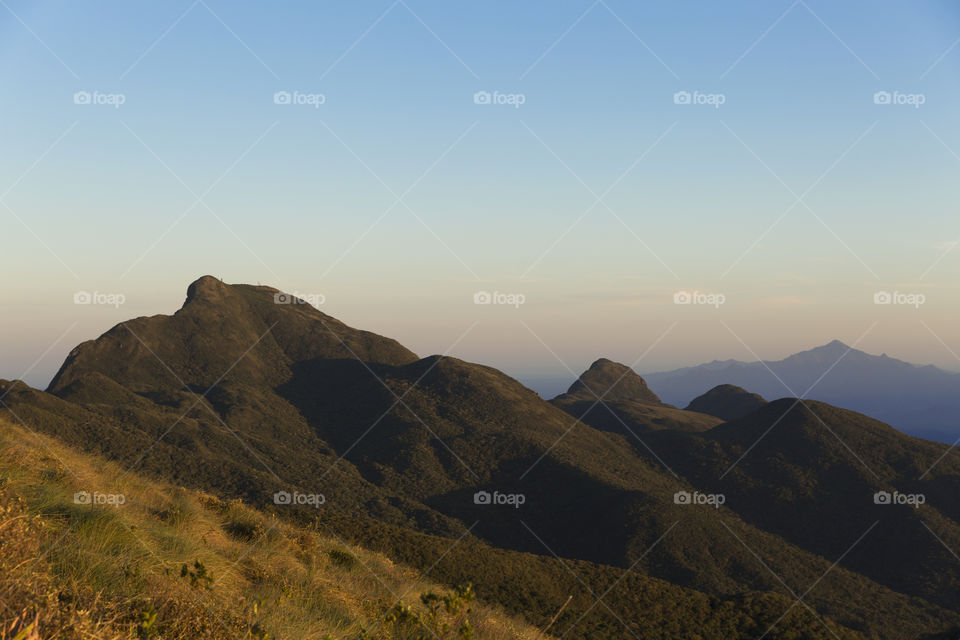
pixel 170 564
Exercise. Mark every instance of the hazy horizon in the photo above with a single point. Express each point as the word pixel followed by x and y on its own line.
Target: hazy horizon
pixel 595 158
pixel 548 378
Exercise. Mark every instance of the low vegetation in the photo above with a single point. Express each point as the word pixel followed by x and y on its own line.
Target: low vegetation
pixel 84 556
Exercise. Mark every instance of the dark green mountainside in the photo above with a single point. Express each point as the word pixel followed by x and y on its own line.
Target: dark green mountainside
pixel 457 468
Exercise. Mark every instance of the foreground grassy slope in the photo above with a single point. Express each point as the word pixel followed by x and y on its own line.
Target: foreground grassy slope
pixel 172 563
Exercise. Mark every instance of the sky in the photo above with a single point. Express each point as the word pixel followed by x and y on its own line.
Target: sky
pixel 660 183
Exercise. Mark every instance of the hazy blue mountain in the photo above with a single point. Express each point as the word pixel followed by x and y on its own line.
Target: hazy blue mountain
pixel 919 400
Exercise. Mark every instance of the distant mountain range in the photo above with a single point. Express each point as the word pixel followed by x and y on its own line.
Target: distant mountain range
pixel 660 522
pixel 923 401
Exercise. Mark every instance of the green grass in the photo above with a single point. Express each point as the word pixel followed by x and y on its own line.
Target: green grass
pixel 172 563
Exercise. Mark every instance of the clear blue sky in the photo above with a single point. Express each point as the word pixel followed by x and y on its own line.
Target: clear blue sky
pixel 200 171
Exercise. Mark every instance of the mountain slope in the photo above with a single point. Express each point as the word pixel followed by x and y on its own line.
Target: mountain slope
pixel 248 572
pixel 794 449
pixel 158 561
pixel 809 472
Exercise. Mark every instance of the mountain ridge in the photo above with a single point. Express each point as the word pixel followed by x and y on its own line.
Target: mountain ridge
pixel 244 393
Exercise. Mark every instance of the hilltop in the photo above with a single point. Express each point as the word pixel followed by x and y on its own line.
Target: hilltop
pixel 727 402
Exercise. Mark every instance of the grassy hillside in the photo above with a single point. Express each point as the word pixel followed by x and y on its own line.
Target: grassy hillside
pixel 165 562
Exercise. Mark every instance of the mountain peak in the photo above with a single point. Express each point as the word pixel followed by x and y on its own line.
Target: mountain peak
pixel 828 353
pixel 834 349
pixel 612 381
pixel 727 402
pixel 243 330
pixel 206 288
pixel 833 345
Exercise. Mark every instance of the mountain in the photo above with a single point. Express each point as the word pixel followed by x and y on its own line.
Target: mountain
pixel 809 473
pixel 919 400
pixel 727 401
pixel 610 381
pixel 456 469
pixel 244 394
pixel 815 475
pixel 254 334
pixel 610 396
